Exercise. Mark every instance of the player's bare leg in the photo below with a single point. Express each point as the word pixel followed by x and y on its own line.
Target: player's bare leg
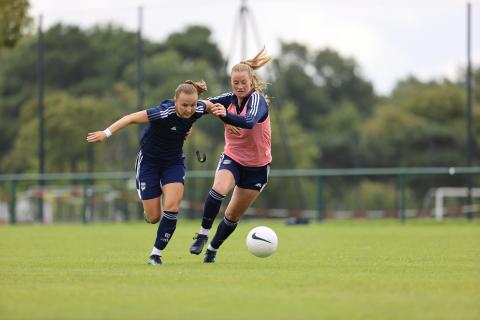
pixel 241 200
pixel 152 210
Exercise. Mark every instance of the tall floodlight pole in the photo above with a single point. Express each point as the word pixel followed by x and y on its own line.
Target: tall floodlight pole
pixel 41 114
pixel 140 76
pixel 243 26
pixel 469 113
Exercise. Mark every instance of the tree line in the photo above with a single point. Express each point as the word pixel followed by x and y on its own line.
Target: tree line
pixel 325 113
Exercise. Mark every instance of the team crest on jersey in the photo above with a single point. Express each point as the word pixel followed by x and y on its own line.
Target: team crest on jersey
pixel 143 186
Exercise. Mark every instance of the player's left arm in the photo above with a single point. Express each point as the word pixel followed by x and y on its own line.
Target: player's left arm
pixel 256 109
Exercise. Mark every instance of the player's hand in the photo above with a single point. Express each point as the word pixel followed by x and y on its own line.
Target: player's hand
pixel 233 130
pixel 97 136
pixel 219 110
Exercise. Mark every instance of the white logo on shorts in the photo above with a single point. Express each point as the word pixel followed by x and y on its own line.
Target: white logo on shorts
pixel 259 185
pixel 227 161
pixel 143 185
pixel 173 128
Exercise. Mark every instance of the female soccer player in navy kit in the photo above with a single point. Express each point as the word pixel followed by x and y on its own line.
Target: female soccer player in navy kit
pixel 160 168
pixel 245 162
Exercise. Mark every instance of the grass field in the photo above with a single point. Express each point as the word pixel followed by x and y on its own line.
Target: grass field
pixel 334 270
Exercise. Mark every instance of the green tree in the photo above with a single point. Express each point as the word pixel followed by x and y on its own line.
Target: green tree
pixel 14 21
pixel 97 63
pixel 292 146
pixel 442 106
pixel 422 124
pixel 339 137
pixel 331 96
pixel 17 85
pixel 292 83
pixel 390 136
pixel 194 43
pixel 67 121
pixel 342 80
pixel 318 82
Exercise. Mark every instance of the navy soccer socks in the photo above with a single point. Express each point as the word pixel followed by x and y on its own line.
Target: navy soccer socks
pixel 224 230
pixel 210 212
pixel 211 208
pixel 166 228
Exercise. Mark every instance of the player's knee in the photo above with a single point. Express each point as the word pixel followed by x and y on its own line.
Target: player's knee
pixel 172 205
pixel 221 189
pixel 151 216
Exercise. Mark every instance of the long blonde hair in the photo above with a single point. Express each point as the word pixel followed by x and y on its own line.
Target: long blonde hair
pixel 250 65
pixel 190 87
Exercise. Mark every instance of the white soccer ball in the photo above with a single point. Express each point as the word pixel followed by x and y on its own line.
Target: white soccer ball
pixel 262 241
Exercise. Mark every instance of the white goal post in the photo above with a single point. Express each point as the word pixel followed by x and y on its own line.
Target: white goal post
pixel 441 193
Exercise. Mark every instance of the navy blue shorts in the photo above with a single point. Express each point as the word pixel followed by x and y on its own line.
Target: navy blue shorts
pixel 150 176
pixel 254 178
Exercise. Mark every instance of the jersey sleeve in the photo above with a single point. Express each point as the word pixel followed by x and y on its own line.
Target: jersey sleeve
pixel 200 110
pixel 161 111
pixel 155 114
pixel 256 109
pixel 224 99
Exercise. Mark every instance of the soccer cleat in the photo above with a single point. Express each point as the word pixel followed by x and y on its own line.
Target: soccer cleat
pixel 199 243
pixel 209 256
pixel 154 260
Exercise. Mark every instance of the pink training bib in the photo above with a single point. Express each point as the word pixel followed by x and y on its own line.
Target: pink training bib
pixel 252 148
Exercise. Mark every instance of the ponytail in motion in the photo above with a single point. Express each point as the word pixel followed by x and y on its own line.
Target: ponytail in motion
pixel 189 87
pixel 250 65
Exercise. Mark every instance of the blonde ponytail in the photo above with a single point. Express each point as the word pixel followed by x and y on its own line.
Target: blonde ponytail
pixel 250 65
pixel 259 60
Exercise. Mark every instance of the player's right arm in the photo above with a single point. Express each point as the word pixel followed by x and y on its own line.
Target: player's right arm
pixel 221 100
pixel 136 117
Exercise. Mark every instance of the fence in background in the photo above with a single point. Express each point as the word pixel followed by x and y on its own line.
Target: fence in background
pixel 112 196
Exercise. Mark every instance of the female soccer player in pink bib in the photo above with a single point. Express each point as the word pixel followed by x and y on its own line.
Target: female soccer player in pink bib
pixel 245 162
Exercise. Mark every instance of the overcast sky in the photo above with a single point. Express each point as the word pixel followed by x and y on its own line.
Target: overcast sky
pixel 389 39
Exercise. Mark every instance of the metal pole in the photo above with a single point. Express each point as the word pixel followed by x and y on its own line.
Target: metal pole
pixel 140 68
pixel 402 204
pixel 91 161
pixel 13 204
pixel 243 24
pixel 41 114
pixel 85 201
pixel 469 113
pixel 320 199
pixel 140 81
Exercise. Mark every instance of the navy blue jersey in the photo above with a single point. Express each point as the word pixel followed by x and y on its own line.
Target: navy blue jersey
pixel 257 109
pixel 163 137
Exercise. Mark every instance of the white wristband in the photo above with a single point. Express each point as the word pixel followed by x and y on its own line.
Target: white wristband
pixel 107 132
